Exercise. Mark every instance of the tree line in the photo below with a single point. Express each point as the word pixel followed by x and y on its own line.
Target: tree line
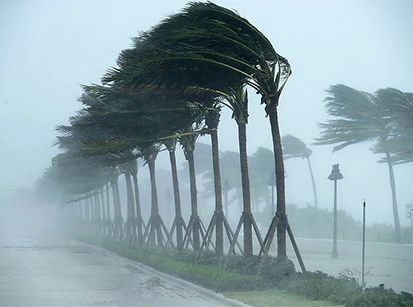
pixel 168 89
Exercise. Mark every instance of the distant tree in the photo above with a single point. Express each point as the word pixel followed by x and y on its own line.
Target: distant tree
pixel 399 108
pixel 295 148
pixel 357 117
pixel 262 164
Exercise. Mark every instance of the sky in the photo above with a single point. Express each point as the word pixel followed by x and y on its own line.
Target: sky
pixel 49 48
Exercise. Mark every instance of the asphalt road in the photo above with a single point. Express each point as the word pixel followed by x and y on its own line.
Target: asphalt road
pixel 51 271
pixel 40 268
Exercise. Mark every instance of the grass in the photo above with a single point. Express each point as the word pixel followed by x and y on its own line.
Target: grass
pixel 207 275
pixel 277 285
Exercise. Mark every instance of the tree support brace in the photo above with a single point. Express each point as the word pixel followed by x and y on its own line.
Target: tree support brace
pixel 219 219
pixel 194 224
pixel 155 226
pixel 177 223
pixel 270 236
pixel 244 219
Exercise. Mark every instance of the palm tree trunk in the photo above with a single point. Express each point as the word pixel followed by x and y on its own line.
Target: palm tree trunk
pixel 98 212
pixel 97 202
pixel 102 202
pixel 313 182
pixel 219 231
pixel 279 182
pixel 154 201
pixel 245 182
pixel 138 206
pixel 177 198
pixel 131 230
pixel 92 211
pixel 118 209
pixel 394 198
pixel 108 204
pixel 194 200
pixel 117 212
pixel 87 210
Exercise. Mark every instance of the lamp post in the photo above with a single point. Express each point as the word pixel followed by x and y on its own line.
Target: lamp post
pixel 409 215
pixel 363 251
pixel 335 175
pixel 271 183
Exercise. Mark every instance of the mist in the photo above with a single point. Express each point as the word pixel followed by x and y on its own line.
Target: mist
pixel 49 49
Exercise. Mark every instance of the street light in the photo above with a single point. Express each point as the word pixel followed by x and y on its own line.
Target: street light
pixel 335 175
pixel 409 215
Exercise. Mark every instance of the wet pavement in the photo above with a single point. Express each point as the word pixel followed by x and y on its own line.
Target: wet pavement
pixel 51 271
pixel 387 263
pixel 40 267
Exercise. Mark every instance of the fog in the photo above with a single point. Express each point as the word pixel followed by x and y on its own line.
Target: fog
pixel 49 48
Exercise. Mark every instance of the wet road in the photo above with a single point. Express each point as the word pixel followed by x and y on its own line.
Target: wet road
pixel 39 271
pixel 391 264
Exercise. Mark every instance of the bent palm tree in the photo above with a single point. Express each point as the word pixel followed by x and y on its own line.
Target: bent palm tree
pixel 238 102
pixel 178 224
pixel 194 231
pixel 399 108
pixel 208 46
pixel 359 117
pixel 295 148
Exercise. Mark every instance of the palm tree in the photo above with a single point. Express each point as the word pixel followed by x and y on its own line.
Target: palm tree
pixel 155 227
pixel 359 117
pixel 238 102
pixel 81 175
pixel 218 220
pixel 187 138
pixel 399 107
pixel 202 45
pixel 295 148
pixel 140 224
pixel 178 223
pixel 88 136
pixel 131 236
pixel 141 120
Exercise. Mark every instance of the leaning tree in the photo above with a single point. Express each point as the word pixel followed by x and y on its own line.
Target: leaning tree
pixel 204 44
pixel 357 116
pixel 399 108
pixel 295 148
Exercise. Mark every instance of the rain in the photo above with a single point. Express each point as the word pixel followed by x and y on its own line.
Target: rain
pixel 206 153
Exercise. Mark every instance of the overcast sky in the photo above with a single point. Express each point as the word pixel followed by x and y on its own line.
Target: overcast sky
pixel 49 48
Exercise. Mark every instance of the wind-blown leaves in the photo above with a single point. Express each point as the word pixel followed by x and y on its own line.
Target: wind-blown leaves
pixel 204 46
pixel 357 117
pixel 399 109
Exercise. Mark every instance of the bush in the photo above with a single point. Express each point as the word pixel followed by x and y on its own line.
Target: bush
pixel 277 270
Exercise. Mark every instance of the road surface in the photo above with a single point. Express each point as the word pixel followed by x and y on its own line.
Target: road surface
pixel 51 271
pixel 391 264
